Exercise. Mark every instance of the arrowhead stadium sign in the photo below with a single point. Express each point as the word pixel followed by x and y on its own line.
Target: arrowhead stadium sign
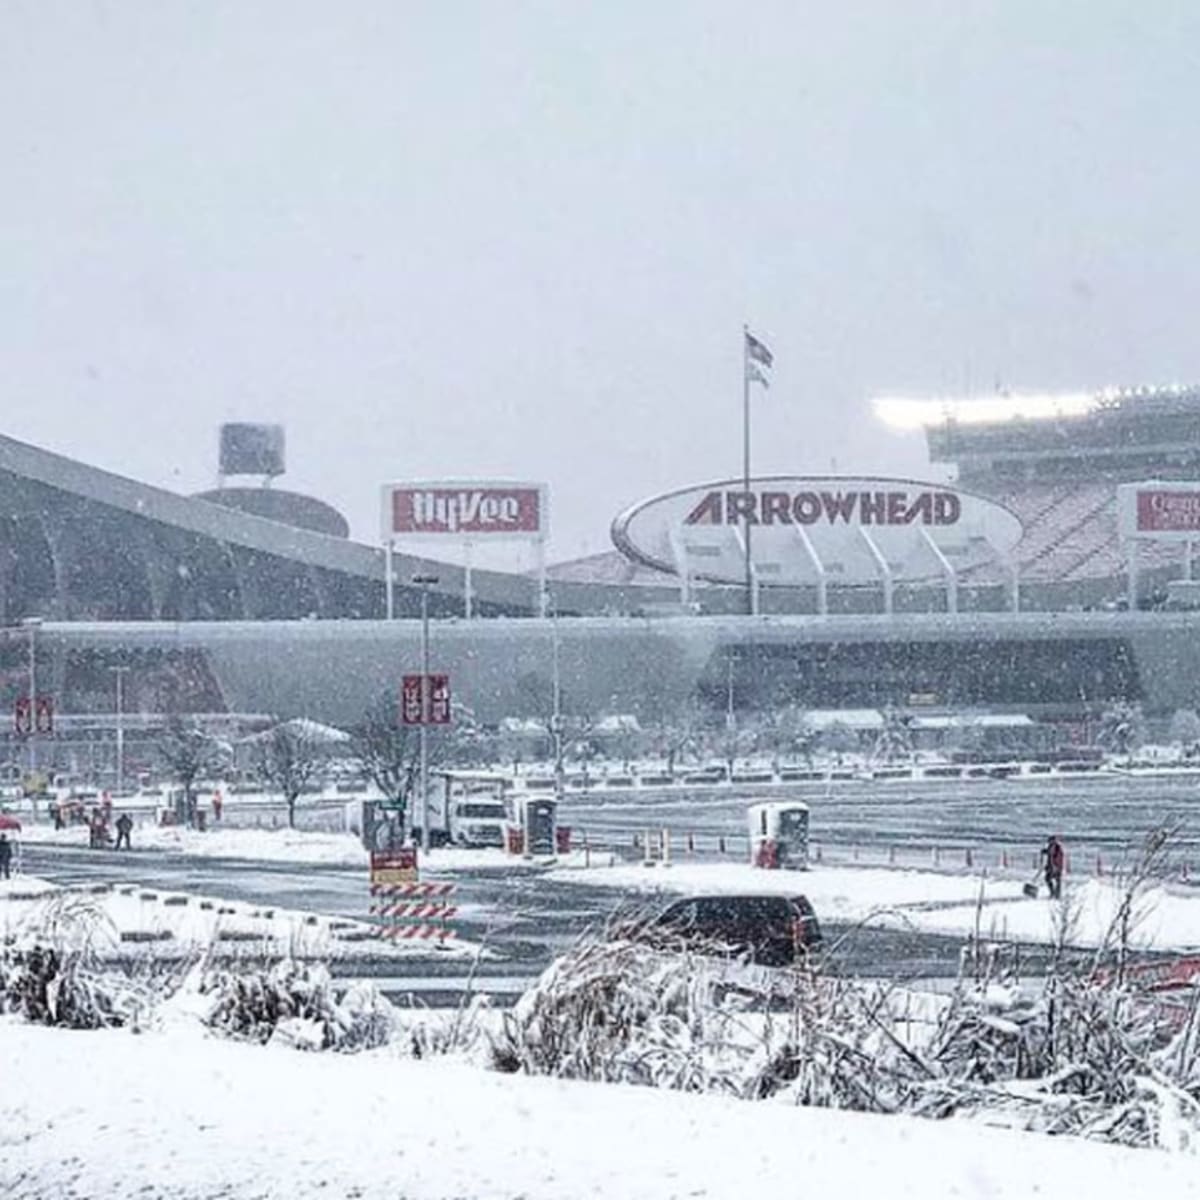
pixel 803 527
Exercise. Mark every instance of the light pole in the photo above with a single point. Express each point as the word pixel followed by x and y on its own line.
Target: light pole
pixel 424 582
pixel 556 703
pixel 120 673
pixel 33 624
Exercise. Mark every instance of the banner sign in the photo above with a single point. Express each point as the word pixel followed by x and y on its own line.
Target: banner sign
pixel 411 706
pixel 37 717
pixel 439 699
pixel 488 511
pixel 1159 511
pixel 412 710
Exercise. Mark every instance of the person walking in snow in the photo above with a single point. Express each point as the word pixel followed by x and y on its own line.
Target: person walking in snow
pixel 124 827
pixel 5 857
pixel 1054 861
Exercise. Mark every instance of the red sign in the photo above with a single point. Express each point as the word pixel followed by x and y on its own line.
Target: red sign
pixel 23 716
pixel 439 699
pixel 43 716
pixel 485 510
pixel 1171 511
pixel 412 710
pixel 394 866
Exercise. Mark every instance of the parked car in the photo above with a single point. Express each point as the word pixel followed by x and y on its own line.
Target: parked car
pixel 765 930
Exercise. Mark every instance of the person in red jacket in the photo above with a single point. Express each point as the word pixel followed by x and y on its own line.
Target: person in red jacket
pixel 1054 861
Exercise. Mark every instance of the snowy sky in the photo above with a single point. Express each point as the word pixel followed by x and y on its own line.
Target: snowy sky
pixel 520 239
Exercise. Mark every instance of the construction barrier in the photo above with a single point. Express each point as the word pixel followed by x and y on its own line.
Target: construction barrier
pixel 407 910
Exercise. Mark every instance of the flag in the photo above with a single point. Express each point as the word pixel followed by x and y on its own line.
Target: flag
pixel 757 352
pixel 754 375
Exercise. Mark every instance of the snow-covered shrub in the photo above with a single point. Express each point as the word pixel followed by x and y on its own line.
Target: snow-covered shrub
pixel 50 972
pixel 295 1004
pixel 624 1011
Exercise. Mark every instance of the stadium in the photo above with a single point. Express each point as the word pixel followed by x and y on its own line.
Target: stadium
pixel 252 600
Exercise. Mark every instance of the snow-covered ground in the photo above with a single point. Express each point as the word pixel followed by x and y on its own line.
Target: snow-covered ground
pixel 1163 919
pixel 292 846
pixel 927 901
pixel 179 1115
pixel 131 920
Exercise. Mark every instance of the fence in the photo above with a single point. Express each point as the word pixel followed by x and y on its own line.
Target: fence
pixel 1018 860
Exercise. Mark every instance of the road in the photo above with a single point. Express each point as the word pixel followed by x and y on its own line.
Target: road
pixel 525 918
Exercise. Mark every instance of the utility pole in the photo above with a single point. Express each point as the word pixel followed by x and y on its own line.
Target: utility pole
pixel 556 704
pixel 425 582
pixel 750 605
pixel 120 673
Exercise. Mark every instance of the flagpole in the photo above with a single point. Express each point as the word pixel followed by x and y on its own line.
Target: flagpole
pixel 746 467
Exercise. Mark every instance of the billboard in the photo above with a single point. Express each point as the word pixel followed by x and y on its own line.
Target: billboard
pixel 806 527
pixel 1159 511
pixel 252 450
pixel 487 510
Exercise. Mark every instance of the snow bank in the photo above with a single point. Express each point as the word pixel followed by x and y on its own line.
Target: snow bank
pixel 298 846
pixel 184 1116
pixel 1163 920
pixel 256 845
pixel 136 920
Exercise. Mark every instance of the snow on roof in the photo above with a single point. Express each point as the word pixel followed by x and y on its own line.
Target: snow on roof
pixel 970 721
pixel 851 718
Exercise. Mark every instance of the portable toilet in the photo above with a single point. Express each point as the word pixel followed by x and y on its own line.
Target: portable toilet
pixel 532 826
pixel 541 826
pixel 779 834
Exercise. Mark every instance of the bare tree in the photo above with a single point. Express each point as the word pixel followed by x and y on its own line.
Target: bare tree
pixel 189 753
pixel 1122 728
pixel 390 753
pixel 289 759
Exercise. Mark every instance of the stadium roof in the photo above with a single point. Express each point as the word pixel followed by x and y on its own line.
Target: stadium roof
pixel 20 461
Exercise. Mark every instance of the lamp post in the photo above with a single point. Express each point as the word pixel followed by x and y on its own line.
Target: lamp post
pixel 556 721
pixel 119 673
pixel 424 582
pixel 33 624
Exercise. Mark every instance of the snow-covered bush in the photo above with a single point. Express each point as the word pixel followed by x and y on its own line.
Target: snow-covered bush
pixel 50 972
pixel 295 1004
pixel 621 1010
